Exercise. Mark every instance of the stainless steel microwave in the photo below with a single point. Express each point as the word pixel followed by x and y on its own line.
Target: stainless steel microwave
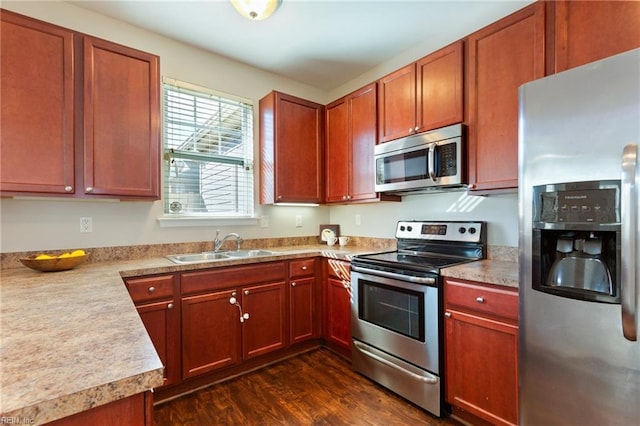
pixel 428 161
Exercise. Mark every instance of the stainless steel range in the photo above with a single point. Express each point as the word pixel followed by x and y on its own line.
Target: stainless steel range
pixel 397 307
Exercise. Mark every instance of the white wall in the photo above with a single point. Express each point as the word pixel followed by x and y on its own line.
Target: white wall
pixel 33 224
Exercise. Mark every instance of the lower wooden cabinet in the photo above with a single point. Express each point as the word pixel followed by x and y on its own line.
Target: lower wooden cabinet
pixel 156 298
pixel 303 300
pixel 337 329
pixel 266 328
pixel 136 410
pixel 481 350
pixel 211 331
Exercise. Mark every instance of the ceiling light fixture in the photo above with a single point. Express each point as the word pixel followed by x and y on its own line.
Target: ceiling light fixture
pixel 256 10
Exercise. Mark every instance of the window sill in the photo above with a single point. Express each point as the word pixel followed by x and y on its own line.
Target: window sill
pixel 193 221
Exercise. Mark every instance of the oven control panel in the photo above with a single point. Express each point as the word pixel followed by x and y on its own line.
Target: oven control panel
pixel 443 231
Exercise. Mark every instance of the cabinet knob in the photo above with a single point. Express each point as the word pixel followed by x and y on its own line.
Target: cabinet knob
pixel 68 188
pixel 170 306
pixel 279 197
pixel 293 284
pixel 447 314
pixel 89 189
pixel 410 129
pixel 151 289
pixel 304 268
pixel 480 299
pixel 472 186
pixel 415 129
pixel 246 292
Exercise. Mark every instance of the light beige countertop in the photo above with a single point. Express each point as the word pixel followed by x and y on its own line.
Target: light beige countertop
pixel 486 271
pixel 73 340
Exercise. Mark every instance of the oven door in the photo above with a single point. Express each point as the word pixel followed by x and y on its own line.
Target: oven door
pixel 397 316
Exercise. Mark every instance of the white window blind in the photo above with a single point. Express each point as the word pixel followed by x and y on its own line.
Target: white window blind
pixel 208 152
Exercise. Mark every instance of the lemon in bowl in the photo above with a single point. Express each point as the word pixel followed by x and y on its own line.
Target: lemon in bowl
pixel 51 263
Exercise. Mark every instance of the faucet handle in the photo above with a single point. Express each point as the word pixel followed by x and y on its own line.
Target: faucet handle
pixel 239 242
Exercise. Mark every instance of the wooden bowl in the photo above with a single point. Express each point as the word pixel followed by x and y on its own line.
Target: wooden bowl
pixel 55 264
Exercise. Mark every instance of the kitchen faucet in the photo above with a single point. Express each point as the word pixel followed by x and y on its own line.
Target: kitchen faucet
pixel 217 243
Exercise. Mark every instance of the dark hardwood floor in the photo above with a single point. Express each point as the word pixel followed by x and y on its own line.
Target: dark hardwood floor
pixel 315 388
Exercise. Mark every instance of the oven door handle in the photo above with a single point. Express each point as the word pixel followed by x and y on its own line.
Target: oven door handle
pixel 428 378
pixel 402 277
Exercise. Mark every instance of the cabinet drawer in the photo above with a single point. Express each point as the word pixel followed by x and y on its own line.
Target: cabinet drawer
pixel 150 288
pixel 481 298
pixel 302 268
pixel 221 278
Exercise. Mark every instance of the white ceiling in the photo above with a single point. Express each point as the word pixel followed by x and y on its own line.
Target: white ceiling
pixel 323 43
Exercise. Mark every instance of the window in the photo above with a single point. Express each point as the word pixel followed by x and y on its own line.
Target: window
pixel 208 152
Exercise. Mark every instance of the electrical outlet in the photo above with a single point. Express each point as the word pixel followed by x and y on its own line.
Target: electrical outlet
pixel 358 220
pixel 86 224
pixel 298 221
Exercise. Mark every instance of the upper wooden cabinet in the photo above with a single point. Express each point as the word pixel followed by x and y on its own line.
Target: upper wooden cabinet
pixel 37 115
pixel 586 31
pixel 121 121
pixel 291 149
pixel 422 96
pixel 80 116
pixel 501 57
pixel 350 141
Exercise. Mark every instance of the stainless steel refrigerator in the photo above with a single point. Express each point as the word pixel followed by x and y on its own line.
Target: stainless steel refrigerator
pixel 579 346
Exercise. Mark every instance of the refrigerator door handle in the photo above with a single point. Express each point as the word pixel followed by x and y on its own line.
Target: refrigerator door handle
pixel 629 275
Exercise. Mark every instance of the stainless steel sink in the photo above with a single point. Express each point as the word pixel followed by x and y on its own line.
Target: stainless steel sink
pixel 197 257
pixel 248 253
pixel 211 256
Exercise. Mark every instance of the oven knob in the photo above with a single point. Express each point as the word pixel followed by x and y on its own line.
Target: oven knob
pixel 462 230
pixel 472 231
pixel 402 228
pixel 409 228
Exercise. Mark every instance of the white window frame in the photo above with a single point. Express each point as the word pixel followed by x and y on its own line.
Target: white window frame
pixel 205 218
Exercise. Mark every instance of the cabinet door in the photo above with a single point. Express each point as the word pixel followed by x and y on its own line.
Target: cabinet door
pixel 291 150
pixel 162 321
pixel 439 88
pixel 266 329
pixel 362 105
pixel 502 57
pixel 121 121
pixel 338 155
pixel 37 106
pixel 302 309
pixel 210 333
pixel 397 107
pixel 586 31
pixel 482 372
pixel 338 316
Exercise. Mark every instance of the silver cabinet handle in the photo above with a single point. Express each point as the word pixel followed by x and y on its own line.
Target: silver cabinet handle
pixel 89 189
pixel 304 268
pixel 151 289
pixel 170 306
pixel 246 292
pixel 68 188
pixel 293 284
pixel 447 314
pixel 480 299
pixel 630 236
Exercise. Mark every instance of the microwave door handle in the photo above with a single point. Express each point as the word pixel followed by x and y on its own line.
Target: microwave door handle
pixel 630 235
pixel 432 162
